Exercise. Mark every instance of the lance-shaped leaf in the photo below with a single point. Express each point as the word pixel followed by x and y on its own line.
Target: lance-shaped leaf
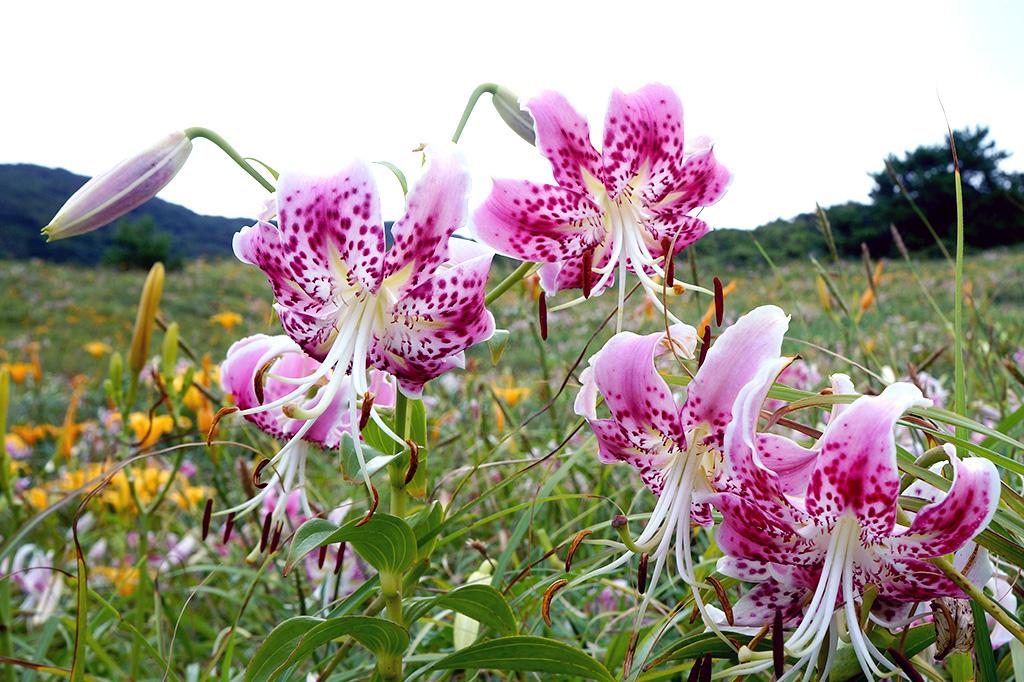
pixel 385 542
pixel 526 654
pixel 294 639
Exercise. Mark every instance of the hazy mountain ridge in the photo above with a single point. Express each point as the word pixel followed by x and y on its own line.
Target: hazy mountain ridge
pixel 30 195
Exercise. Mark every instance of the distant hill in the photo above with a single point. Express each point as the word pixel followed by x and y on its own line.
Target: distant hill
pixel 30 195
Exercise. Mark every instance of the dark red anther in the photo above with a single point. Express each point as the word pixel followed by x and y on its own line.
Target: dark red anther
pixel 587 272
pixel 256 473
pixel 339 559
pixel 207 515
pixel 719 303
pixel 778 645
pixel 265 532
pixel 276 539
pixel 641 574
pixel 542 313
pixel 364 416
pixel 414 460
pixel 705 344
pixel 695 669
pixel 670 270
pixel 322 557
pixel 373 506
pixel 905 665
pixel 228 527
pixel 705 669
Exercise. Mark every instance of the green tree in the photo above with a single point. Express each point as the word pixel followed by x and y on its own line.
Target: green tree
pixel 993 198
pixel 138 245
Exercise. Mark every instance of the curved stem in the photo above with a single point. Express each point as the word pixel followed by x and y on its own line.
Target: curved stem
pixel 525 268
pixel 978 595
pixel 213 137
pixel 470 105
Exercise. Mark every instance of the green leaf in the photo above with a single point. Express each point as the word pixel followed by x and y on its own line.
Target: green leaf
pixel 480 602
pixel 385 542
pixel 528 654
pixel 983 645
pixel 294 639
pixel 374 458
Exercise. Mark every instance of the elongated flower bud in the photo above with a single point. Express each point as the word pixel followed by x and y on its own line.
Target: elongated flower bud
pixel 515 117
pixel 125 187
pixel 145 318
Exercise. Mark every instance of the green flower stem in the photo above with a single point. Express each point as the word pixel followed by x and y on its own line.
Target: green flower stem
pixel 390 666
pixel 525 268
pixel 979 596
pixel 5 461
pixel 474 97
pixel 6 623
pixel 958 300
pixel 213 137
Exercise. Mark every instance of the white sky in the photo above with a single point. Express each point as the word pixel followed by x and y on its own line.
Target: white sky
pixel 801 99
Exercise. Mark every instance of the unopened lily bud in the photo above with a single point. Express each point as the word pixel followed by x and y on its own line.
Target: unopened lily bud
pixel 516 118
pixel 169 351
pixel 123 188
pixel 145 318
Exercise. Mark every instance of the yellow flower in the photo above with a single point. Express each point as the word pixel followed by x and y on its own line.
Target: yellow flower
pixel 18 370
pixel 509 392
pixel 148 432
pixel 36 498
pixel 30 434
pixel 97 349
pixel 227 320
pixel 126 578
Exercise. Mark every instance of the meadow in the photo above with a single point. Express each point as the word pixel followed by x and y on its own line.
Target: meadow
pixel 514 476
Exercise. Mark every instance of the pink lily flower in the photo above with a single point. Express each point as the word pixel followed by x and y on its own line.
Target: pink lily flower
pixel 410 311
pixel 843 534
pixel 617 210
pixel 270 364
pixel 677 449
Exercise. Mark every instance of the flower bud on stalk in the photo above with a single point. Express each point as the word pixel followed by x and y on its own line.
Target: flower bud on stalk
pixel 123 188
pixel 515 117
pixel 145 319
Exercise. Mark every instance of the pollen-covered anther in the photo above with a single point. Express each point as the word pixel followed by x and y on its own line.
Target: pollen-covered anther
pixel 678 288
pixel 719 302
pixel 207 515
pixel 414 460
pixel 641 574
pixel 221 413
pixel 723 598
pixel 265 531
pixel 365 411
pixel 549 594
pixel 542 315
pixel 259 379
pixel 573 546
pixel 229 525
pixel 339 559
pixel 256 473
pixel 587 272
pixel 373 506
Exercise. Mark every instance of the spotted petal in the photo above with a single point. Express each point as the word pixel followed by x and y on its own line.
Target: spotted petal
pixel 541 223
pixel 643 134
pixel 856 470
pixel 563 137
pixel 733 360
pixel 329 243
pixel 431 326
pixel 616 445
pixel 700 181
pixel 946 525
pixel 638 397
pixel 436 206
pixel 754 528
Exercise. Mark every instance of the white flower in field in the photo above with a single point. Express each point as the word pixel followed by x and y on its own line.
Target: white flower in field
pixel 32 571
